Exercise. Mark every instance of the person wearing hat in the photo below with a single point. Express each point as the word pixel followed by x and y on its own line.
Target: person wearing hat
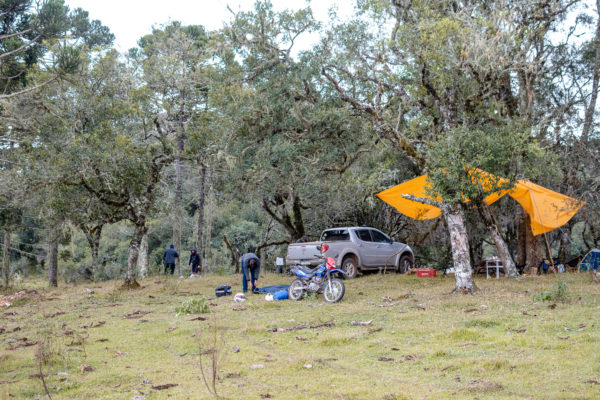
pixel 250 271
pixel 194 263
pixel 169 257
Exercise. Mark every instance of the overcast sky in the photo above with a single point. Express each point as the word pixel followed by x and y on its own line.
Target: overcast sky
pixel 129 20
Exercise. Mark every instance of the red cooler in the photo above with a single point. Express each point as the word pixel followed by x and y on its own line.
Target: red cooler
pixel 426 273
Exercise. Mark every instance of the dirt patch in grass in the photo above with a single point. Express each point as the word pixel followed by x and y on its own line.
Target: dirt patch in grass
pixel 165 386
pixel 137 314
pixel 20 343
pixel 302 326
pixel 479 385
pixel 17 299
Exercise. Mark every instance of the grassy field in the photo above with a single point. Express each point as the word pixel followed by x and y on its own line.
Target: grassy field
pixel 415 341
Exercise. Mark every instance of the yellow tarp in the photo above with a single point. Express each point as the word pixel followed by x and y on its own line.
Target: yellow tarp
pixel 416 187
pixel 547 209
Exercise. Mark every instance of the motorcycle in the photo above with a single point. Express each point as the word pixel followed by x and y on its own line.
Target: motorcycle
pixel 318 280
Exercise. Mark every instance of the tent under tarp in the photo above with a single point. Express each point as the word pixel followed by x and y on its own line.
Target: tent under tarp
pixel 590 262
pixel 547 209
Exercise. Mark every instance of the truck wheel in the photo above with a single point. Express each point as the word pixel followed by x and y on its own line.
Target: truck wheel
pixel 404 264
pixel 350 267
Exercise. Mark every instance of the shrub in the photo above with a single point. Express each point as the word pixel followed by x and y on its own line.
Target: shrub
pixel 558 293
pixel 193 306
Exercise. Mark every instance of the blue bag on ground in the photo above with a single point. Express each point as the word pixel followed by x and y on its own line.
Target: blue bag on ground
pixel 280 295
pixel 272 289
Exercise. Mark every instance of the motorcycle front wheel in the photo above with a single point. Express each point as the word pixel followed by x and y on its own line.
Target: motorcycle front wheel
pixel 334 290
pixel 296 289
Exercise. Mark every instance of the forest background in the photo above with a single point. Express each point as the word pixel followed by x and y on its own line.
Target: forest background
pixel 234 140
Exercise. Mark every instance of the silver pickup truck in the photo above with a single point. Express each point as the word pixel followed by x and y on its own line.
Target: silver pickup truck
pixel 354 249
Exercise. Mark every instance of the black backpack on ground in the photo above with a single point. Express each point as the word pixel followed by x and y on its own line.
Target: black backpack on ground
pixel 223 290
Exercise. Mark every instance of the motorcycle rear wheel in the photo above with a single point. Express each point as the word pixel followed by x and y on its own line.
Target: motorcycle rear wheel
pixel 296 289
pixel 334 290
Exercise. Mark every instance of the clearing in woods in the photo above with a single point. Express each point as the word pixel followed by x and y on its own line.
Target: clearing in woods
pixel 391 337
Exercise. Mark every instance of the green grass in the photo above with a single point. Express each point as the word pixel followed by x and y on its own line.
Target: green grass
pixel 500 343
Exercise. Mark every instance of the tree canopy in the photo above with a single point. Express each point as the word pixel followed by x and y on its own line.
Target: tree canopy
pixel 239 138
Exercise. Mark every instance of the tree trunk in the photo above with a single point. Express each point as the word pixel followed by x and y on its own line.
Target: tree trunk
pixel 177 221
pixel 259 249
pixel 134 251
pixel 6 259
pixel 208 236
pixel 290 220
pixel 235 254
pixel 521 217
pixel 53 258
pixel 591 107
pixel 534 248
pixel 178 210
pixel 200 221
pixel 142 262
pixel 564 246
pixel 298 221
pixel 93 237
pixel 209 207
pixel 459 241
pixel 510 270
pixel 476 249
pixel 525 95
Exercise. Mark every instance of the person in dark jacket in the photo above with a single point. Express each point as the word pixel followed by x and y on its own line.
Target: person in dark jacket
pixel 169 259
pixel 303 239
pixel 250 271
pixel 194 262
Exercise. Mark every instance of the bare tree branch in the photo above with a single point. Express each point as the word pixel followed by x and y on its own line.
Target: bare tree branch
pixel 423 200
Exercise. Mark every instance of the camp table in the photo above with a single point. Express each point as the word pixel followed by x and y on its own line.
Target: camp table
pixel 493 263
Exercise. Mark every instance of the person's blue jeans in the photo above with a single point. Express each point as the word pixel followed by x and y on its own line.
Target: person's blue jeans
pixel 253 277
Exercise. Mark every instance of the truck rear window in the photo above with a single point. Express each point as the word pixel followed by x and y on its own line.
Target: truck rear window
pixel 335 235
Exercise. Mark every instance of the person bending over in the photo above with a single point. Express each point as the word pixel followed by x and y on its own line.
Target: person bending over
pixel 250 271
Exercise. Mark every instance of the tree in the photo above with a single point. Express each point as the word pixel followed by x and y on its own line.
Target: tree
pixel 440 70
pixel 595 61
pixel 10 218
pixel 38 45
pixel 31 34
pixel 88 213
pixel 109 144
pixel 293 141
pixel 492 148
pixel 174 61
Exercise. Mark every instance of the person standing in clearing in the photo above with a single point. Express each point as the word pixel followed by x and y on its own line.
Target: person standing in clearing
pixel 194 263
pixel 250 271
pixel 169 259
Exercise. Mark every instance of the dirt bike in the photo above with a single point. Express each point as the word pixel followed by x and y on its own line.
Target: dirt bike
pixel 317 280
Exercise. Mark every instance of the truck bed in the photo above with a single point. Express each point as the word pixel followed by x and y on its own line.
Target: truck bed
pixel 308 253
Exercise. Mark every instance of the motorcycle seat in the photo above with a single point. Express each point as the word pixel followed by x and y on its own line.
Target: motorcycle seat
pixel 306 270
